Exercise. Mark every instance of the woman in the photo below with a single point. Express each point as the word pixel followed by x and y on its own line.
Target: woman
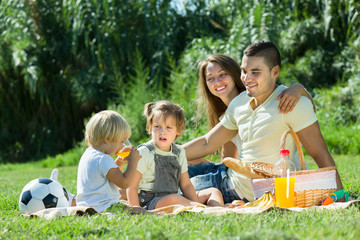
pixel 219 83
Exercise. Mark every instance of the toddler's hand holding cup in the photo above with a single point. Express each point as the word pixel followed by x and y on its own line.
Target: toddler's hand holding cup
pixel 129 152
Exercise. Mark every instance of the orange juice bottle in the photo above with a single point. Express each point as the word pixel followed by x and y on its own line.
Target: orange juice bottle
pixel 285 181
pixel 284 199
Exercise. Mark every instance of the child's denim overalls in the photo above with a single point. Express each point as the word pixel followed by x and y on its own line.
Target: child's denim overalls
pixel 167 175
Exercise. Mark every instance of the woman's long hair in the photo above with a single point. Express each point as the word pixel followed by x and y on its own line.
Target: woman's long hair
pixel 206 101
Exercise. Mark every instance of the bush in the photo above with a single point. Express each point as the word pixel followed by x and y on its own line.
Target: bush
pixel 339 115
pixel 132 97
pixel 59 58
pixel 68 158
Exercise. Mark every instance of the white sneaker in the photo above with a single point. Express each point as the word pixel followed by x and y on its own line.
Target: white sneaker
pixel 54 174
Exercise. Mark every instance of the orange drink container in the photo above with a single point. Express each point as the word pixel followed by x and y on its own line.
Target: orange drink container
pixel 124 154
pixel 127 151
pixel 285 181
pixel 284 194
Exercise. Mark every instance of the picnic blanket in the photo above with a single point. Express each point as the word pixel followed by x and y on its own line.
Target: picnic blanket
pixel 51 213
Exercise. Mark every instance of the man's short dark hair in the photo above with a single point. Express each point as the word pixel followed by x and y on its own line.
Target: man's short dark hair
pixel 265 49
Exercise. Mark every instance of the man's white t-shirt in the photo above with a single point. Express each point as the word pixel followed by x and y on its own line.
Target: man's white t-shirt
pixel 93 187
pixel 146 165
pixel 260 131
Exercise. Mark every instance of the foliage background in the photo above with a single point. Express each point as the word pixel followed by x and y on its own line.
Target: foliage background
pixel 63 60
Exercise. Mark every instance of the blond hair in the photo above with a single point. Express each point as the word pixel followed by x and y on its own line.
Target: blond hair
pixel 164 109
pixel 106 126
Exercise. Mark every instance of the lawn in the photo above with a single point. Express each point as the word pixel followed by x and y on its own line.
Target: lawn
pixel 312 224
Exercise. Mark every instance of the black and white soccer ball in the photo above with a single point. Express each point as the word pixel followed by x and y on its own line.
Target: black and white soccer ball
pixel 42 193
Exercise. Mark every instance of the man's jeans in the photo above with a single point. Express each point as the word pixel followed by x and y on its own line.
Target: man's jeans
pixel 206 175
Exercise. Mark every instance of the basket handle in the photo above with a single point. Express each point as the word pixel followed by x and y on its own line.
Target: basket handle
pixel 298 146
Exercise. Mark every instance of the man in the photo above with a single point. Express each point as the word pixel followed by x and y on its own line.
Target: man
pixel 254 116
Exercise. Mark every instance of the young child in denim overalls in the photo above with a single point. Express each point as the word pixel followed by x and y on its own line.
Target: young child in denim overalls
pixel 162 170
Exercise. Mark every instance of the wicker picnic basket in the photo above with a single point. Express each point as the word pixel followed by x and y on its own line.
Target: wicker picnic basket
pixel 312 194
pixel 308 198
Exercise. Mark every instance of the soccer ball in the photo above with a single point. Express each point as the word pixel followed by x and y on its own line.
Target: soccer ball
pixel 42 193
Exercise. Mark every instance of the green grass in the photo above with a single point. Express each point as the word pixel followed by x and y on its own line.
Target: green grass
pixel 335 224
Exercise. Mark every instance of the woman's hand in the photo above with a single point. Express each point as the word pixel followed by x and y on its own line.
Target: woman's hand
pixel 289 98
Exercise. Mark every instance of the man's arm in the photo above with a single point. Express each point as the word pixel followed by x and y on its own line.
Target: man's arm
pixel 209 143
pixel 314 143
pixel 229 150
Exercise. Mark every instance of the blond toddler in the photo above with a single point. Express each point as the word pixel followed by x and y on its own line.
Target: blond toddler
pixel 99 176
